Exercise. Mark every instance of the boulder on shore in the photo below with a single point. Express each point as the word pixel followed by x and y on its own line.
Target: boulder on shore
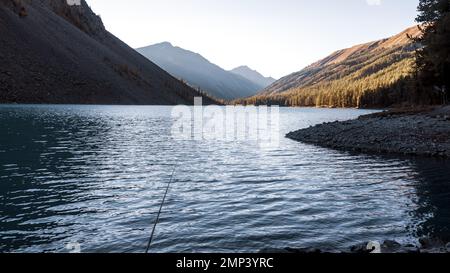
pixel 417 133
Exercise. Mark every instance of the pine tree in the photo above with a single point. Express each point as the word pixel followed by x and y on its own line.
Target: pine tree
pixel 433 60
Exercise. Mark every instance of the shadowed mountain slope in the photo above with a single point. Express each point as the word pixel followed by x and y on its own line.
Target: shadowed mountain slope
pixel 51 52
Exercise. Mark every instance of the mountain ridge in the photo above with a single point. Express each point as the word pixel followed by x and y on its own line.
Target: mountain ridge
pixel 199 72
pixel 374 74
pixel 51 52
pixel 300 78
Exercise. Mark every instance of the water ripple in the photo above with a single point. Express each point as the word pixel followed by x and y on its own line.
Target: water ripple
pixel 96 175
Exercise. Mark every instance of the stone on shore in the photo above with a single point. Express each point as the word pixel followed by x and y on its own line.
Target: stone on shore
pixel 427 245
pixel 407 133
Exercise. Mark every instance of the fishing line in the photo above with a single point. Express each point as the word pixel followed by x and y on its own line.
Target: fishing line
pixel 160 210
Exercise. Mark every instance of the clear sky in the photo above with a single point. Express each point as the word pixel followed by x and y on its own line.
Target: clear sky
pixel 275 37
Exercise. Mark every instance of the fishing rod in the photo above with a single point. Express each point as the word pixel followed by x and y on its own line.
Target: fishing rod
pixel 160 210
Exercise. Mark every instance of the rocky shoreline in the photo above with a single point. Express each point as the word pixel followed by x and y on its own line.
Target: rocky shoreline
pixel 423 132
pixel 389 247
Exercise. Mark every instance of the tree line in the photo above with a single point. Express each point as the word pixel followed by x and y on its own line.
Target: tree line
pixel 433 58
pixel 415 74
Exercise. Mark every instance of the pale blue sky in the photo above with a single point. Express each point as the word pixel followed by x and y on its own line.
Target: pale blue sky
pixel 275 37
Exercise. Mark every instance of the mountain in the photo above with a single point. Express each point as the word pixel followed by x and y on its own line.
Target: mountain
pixel 368 75
pixel 199 72
pixel 253 76
pixel 51 52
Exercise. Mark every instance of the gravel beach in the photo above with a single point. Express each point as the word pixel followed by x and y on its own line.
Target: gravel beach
pixel 406 132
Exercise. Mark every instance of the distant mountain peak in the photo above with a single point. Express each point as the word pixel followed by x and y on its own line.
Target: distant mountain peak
pixel 253 75
pixel 167 44
pixel 199 72
pixel 243 67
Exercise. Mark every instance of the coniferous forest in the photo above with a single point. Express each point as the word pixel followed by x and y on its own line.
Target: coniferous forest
pixel 411 68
